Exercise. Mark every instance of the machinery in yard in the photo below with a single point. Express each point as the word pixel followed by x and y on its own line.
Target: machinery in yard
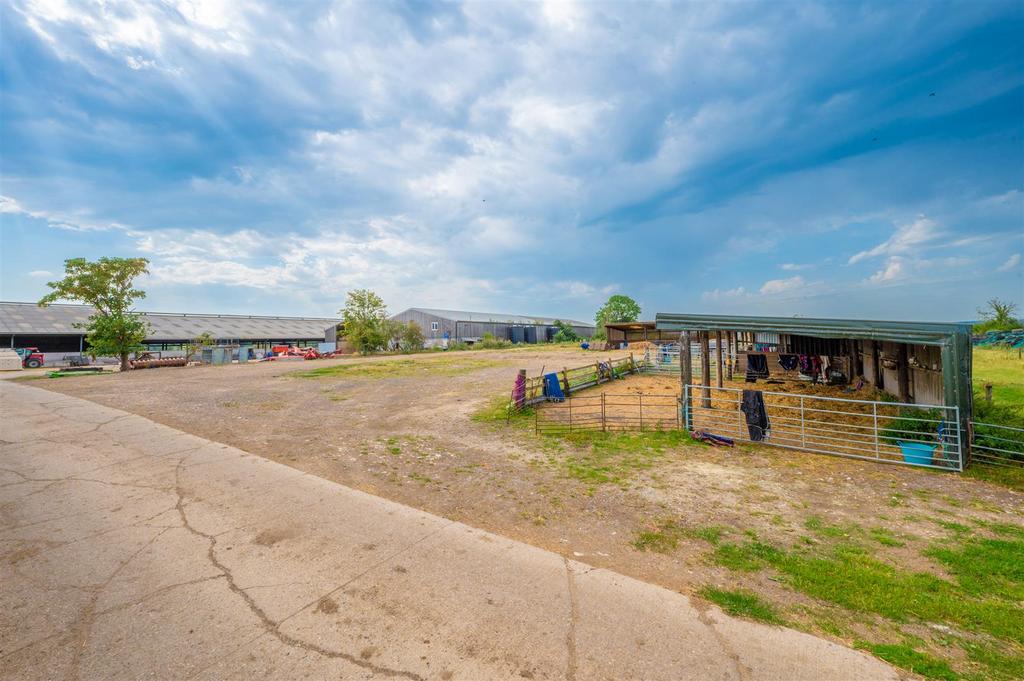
pixel 31 358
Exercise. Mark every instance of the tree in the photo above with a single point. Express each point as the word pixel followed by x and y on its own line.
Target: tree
pixel 366 321
pixel 618 308
pixel 412 337
pixel 998 316
pixel 108 286
pixel 565 334
pixel 197 344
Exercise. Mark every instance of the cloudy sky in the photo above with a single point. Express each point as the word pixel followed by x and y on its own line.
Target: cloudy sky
pixel 839 159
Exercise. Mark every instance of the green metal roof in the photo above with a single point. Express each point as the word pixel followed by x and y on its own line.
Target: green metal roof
pixel 925 333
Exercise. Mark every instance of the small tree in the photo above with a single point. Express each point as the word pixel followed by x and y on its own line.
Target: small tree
pixel 366 321
pixel 108 286
pixel 998 316
pixel 197 344
pixel 618 308
pixel 565 334
pixel 412 337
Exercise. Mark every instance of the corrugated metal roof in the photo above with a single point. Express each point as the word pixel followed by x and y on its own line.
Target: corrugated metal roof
pixel 496 317
pixel 907 332
pixel 60 319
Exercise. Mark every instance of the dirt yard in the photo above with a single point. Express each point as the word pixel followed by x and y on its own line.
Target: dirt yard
pixel 422 430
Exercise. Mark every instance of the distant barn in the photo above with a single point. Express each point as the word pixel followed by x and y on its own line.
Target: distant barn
pixel 469 327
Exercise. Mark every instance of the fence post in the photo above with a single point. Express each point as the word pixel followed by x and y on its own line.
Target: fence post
pixel 569 400
pixel 604 418
pixel 874 414
pixel 641 412
pixel 565 380
pixel 803 436
pixel 597 373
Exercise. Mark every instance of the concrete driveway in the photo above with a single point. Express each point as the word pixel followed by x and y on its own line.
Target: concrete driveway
pixel 132 550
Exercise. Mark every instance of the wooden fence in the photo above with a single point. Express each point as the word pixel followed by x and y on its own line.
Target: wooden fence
pixel 581 377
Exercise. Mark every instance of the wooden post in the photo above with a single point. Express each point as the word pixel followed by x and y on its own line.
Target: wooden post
pixel 705 368
pixel 718 350
pixel 988 393
pixel 604 417
pixel 879 375
pixel 565 382
pixel 597 373
pixel 732 351
pixel 903 372
pixel 685 369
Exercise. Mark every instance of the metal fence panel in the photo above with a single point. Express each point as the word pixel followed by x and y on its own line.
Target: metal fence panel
pixel 997 445
pixel 889 432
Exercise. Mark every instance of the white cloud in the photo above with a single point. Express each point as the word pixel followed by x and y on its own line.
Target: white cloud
pixel 40 273
pixel 794 267
pixel 720 294
pixel 1010 263
pixel 895 268
pixel 907 239
pixel 776 286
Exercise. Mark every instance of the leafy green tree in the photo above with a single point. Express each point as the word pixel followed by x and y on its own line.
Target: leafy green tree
pixel 997 316
pixel 565 334
pixel 197 344
pixel 107 285
pixel 366 321
pixel 618 308
pixel 412 337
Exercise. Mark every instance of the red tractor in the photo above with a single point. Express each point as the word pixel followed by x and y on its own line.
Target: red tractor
pixel 31 358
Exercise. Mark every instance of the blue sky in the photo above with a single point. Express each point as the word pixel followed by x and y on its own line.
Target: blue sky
pixel 840 159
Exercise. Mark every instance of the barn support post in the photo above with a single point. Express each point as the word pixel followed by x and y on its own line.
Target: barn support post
pixel 685 372
pixel 879 375
pixel 731 340
pixel 718 351
pixel 705 368
pixel 903 372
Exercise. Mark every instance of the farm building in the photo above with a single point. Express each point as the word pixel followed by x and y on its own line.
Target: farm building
pixel 636 332
pixel 916 362
pixel 53 329
pixel 462 326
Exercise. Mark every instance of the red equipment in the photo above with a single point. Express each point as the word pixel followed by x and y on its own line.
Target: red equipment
pixel 31 358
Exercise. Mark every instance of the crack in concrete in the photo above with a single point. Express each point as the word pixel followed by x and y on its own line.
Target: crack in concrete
pixel 741 671
pixel 274 627
pixel 84 623
pixel 570 636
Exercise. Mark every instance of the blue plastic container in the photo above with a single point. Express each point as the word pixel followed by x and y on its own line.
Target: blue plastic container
pixel 917 453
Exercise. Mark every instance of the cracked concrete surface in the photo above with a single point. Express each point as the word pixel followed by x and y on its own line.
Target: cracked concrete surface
pixel 129 549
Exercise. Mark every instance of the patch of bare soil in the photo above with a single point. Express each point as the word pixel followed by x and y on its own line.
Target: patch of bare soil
pixel 412 439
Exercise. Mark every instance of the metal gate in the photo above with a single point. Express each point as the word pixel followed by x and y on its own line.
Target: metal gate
pixel 889 432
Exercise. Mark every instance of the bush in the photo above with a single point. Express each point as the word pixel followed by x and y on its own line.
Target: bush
pixel 909 426
pixel 490 342
pixel 566 334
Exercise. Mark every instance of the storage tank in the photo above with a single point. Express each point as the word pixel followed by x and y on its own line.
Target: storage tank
pixel 517 334
pixel 530 334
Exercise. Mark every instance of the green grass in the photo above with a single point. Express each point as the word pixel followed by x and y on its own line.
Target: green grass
pixel 986 566
pixel 1007 476
pixel 598 458
pixel 497 410
pixel 885 537
pixel 849 576
pixel 399 368
pixel 665 536
pixel 998 666
pixel 1005 371
pixel 740 603
pixel 905 657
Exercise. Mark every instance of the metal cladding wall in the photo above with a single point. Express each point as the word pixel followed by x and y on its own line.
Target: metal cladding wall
pixel 435 326
pixel 952 340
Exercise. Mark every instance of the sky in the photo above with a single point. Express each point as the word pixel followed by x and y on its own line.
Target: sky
pixel 818 159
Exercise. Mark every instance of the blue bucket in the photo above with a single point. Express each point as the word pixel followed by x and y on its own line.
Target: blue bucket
pixel 917 453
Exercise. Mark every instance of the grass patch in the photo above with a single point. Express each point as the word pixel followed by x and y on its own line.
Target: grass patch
pixel 1005 371
pixel 399 368
pixel 741 603
pixel 849 576
pixel 905 657
pixel 985 566
pixel 884 537
pixel 599 458
pixel 665 536
pixel 498 410
pixel 998 666
pixel 1007 476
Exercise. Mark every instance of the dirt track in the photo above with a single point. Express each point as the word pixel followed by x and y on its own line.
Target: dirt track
pixel 411 438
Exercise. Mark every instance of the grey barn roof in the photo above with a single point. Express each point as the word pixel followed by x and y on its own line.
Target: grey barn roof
pixel 496 317
pixel 30 320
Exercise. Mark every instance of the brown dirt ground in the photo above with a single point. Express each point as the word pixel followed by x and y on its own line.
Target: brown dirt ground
pixel 412 439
